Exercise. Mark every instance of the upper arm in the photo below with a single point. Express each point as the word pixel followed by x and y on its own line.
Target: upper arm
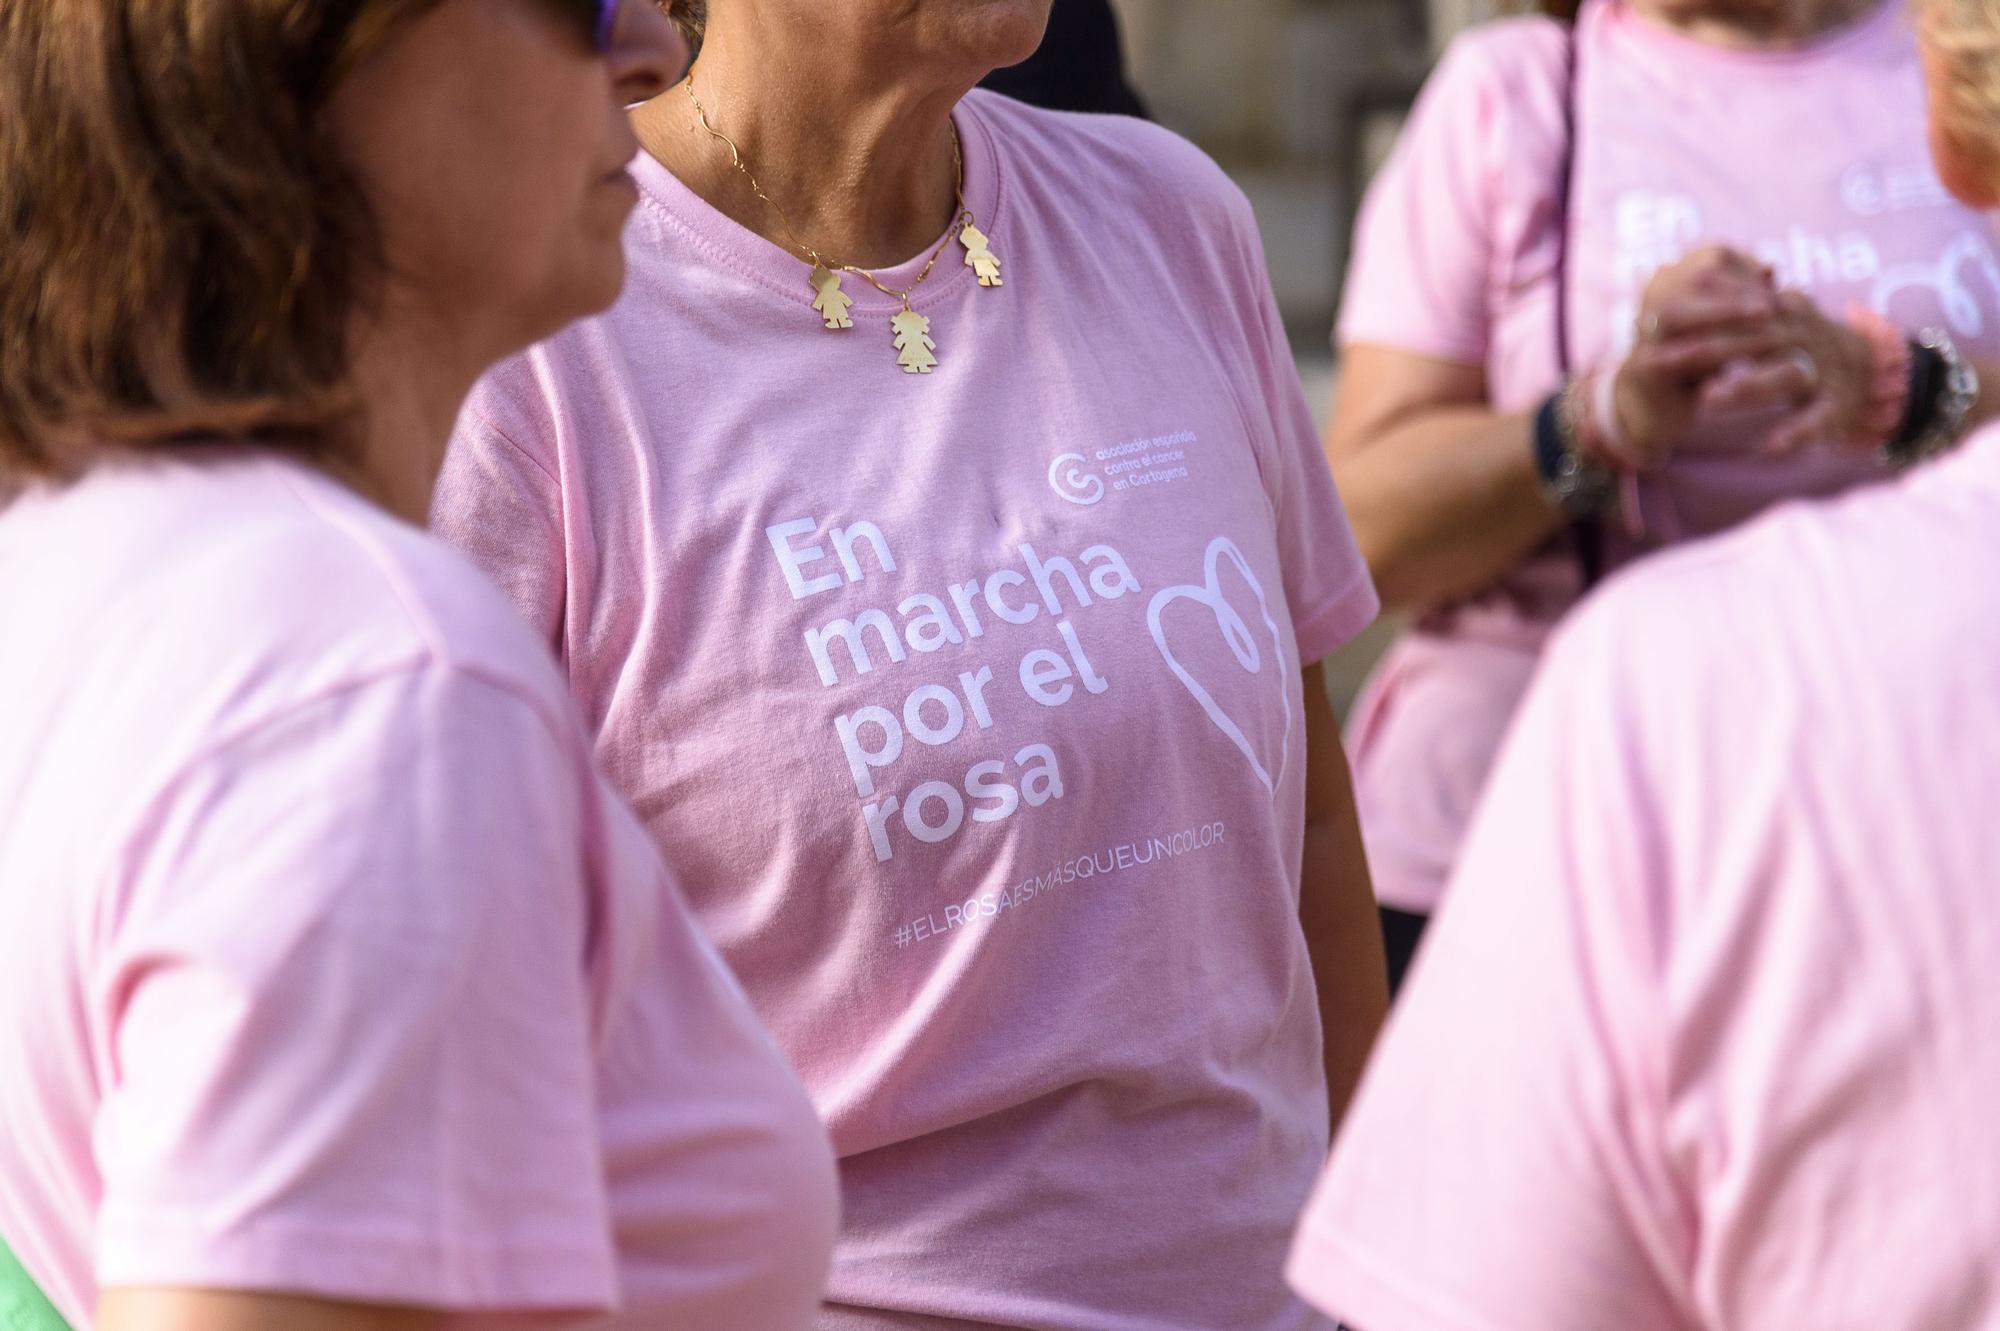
pixel 1461 214
pixel 343 1013
pixel 209 1310
pixel 1383 388
pixel 1420 268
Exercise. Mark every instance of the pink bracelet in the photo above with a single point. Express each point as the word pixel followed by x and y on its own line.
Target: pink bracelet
pixel 1889 381
pixel 1602 433
pixel 1599 433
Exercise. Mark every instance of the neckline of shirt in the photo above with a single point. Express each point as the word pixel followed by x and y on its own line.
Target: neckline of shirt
pixel 1619 16
pixel 776 268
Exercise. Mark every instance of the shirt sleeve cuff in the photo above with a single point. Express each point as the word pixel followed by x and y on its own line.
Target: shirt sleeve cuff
pixel 340 1264
pixel 1418 342
pixel 1337 620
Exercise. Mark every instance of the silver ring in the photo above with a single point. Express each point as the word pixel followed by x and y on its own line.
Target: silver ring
pixel 1649 326
pixel 1808 367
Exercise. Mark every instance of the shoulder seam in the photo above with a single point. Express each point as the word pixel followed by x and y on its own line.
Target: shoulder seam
pixel 482 418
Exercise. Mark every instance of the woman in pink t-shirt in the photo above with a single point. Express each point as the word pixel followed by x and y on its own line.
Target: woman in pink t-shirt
pixel 1624 283
pixel 338 992
pixel 1704 1037
pixel 955 629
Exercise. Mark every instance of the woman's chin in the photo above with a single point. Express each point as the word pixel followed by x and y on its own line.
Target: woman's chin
pixel 1009 31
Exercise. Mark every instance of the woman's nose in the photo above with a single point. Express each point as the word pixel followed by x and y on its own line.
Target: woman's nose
pixel 647 53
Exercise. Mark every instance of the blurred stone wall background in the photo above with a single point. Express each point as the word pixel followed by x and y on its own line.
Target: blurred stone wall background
pixel 1299 100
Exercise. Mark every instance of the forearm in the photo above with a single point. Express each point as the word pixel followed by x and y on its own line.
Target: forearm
pixel 1444 503
pixel 1337 911
pixel 214 1310
pixel 1344 939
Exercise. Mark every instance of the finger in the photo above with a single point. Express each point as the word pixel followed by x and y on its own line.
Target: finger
pixel 1809 426
pixel 1720 264
pixel 1782 381
pixel 1719 258
pixel 1704 354
pixel 1798 305
pixel 1701 312
pixel 1711 267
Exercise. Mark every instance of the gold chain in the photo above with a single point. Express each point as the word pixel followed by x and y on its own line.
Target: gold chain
pixel 962 219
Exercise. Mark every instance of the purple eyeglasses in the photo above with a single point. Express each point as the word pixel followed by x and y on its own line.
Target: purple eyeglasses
pixel 605 31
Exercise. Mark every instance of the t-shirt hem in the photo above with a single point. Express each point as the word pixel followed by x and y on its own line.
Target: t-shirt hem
pixel 325 1263
pixel 1361 1293
pixel 1338 620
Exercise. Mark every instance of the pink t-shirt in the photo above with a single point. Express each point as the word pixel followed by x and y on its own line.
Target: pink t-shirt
pixel 329 964
pixel 1703 1037
pixel 1815 160
pixel 969 704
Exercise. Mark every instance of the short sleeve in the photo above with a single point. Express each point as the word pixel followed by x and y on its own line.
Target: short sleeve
pixel 499 501
pixel 1433 240
pixel 1505 1165
pixel 344 1023
pixel 1327 583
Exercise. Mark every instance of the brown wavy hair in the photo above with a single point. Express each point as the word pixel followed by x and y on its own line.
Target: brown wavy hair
pixel 181 248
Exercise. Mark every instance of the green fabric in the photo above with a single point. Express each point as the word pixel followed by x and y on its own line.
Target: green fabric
pixel 22 1307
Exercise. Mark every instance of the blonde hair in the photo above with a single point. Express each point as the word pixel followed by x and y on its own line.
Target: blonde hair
pixel 1962 40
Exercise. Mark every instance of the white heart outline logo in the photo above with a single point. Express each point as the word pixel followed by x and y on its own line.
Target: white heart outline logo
pixel 1237 634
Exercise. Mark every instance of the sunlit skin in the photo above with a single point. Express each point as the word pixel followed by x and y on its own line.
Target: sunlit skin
pixel 871 182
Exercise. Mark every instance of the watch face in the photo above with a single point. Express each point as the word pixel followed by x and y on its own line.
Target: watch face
pixel 1583 487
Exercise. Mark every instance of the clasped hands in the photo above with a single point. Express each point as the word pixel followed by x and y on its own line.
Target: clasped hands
pixel 1717 336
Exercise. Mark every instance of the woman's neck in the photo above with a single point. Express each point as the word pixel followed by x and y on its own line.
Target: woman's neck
pixel 409 396
pixel 858 159
pixel 1785 24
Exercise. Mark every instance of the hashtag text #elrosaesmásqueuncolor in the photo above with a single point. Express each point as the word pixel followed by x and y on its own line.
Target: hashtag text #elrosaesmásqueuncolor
pixel 1100 864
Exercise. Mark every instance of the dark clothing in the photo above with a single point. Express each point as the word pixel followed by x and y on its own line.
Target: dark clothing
pixel 1080 66
pixel 1401 932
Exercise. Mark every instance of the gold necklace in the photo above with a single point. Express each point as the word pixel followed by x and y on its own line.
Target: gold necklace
pixel 915 351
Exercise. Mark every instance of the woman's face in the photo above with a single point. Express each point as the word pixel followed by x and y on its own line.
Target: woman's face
pixel 490 137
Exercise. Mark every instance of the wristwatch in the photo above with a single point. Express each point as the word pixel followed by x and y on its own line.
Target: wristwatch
pixel 1943 388
pixel 1578 483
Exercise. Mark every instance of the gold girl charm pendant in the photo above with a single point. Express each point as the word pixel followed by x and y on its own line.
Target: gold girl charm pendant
pixel 831 302
pixel 913 342
pixel 979 255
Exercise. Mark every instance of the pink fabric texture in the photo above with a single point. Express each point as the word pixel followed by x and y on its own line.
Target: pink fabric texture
pixel 970 705
pixel 1702 1037
pixel 328 963
pixel 1814 160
